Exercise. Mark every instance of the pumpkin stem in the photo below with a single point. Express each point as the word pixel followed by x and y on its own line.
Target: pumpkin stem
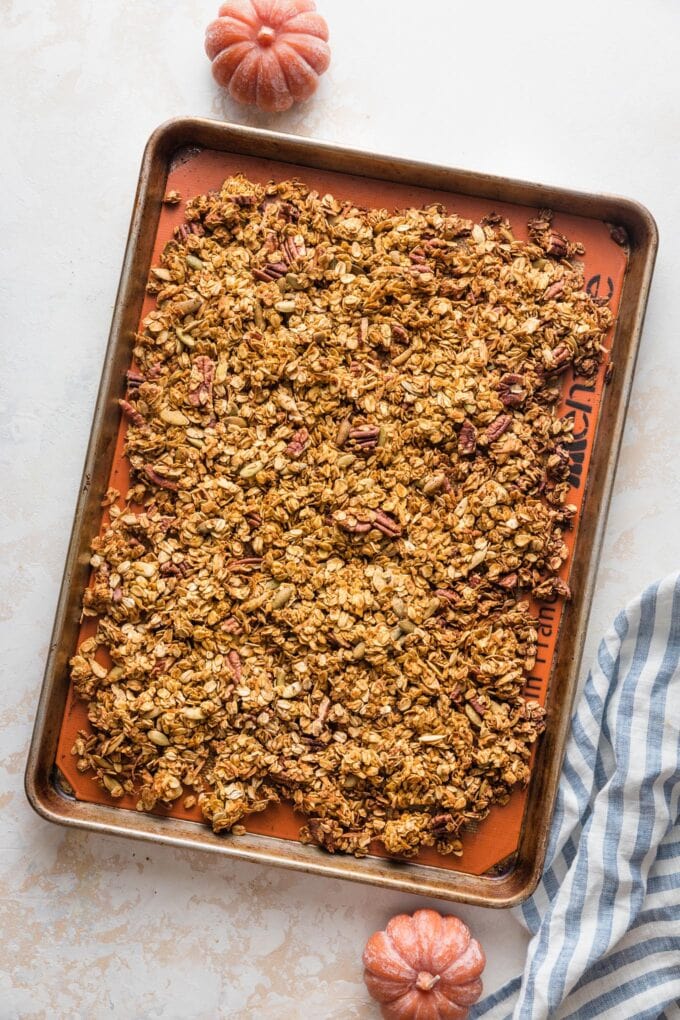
pixel 426 981
pixel 266 36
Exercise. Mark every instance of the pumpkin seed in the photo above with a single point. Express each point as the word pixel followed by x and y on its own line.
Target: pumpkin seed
pixel 113 786
pixel 184 337
pixel 473 716
pixel 158 738
pixel 193 712
pixel 250 470
pixel 283 596
pixel 343 432
pixel 174 417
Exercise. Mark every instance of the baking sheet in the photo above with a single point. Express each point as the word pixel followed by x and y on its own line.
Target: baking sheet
pixel 491 844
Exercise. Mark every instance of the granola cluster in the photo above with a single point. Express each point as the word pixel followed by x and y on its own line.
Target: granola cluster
pixel 348 474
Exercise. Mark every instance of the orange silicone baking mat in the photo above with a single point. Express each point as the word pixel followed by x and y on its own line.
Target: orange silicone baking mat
pixel 492 841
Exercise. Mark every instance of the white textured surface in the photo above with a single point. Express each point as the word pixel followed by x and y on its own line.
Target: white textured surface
pixel 585 96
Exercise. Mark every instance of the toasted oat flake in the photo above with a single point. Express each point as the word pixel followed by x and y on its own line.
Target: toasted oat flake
pixel 348 476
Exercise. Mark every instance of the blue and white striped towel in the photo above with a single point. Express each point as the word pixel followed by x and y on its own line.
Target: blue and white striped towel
pixel 605 918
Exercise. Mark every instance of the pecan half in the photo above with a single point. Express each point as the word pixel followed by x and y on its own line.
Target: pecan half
pixel 244 201
pixel 131 413
pixel 203 374
pixel 159 480
pixel 511 389
pixel 291 250
pixel 467 439
pixel 298 443
pixel 558 360
pixel 185 230
pixel 263 276
pixel 350 523
pixel 556 245
pixel 235 665
pixel 364 436
pixel 383 522
pixel 272 271
pixel 496 429
pixel 134 379
pixel 289 212
pixel 554 290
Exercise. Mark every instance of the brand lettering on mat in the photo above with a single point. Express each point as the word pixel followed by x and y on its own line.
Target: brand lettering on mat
pixel 595 283
pixel 545 625
pixel 580 405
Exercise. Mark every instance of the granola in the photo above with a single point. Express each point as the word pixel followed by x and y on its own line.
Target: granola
pixel 348 475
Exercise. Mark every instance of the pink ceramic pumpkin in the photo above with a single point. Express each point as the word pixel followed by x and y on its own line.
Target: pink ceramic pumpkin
pixel 268 52
pixel 424 967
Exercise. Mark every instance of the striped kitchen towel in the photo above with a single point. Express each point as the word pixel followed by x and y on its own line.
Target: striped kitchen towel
pixel 605 918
